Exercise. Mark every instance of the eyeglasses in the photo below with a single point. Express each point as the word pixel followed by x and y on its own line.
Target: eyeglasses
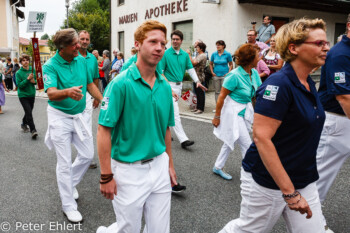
pixel 318 43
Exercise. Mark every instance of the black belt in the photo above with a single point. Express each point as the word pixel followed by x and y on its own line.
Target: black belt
pixel 142 162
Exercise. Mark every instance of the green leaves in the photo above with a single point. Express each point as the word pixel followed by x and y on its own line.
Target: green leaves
pixel 39 17
pixel 93 16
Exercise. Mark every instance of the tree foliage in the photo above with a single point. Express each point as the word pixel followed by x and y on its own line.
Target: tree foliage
pixel 45 37
pixel 93 16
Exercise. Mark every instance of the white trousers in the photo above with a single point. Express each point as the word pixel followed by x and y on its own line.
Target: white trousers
pixel 261 208
pixel 244 141
pixel 142 189
pixel 88 109
pixel 178 129
pixel 62 135
pixel 332 151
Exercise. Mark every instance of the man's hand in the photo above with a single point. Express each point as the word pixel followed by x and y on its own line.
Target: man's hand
pixel 30 76
pixel 173 178
pixel 95 103
pixel 201 86
pixel 75 93
pixel 175 96
pixel 109 190
pixel 302 206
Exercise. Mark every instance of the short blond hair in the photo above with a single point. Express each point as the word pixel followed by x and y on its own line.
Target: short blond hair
pixel 295 32
pixel 149 25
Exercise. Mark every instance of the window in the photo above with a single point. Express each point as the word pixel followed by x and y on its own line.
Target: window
pixel 339 30
pixel 121 42
pixel 121 2
pixel 186 27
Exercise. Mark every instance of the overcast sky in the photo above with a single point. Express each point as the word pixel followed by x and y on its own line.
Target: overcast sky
pixel 55 14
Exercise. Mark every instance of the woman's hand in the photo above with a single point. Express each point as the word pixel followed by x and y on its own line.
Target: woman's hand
pixel 216 122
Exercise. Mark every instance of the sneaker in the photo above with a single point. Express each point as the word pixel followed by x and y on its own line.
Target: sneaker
pixel 74 216
pixel 101 229
pixel 93 165
pixel 328 230
pixel 178 188
pixel 75 194
pixel 198 112
pixel 214 111
pixel 194 110
pixel 187 143
pixel 221 173
pixel 24 128
pixel 34 134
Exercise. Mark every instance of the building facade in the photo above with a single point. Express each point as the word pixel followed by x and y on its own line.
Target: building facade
pixel 10 16
pixel 44 49
pixel 227 20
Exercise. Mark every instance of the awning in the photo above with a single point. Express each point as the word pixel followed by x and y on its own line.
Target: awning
pixel 5 50
pixel 335 6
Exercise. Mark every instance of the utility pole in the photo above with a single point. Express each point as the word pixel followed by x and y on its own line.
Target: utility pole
pixel 67 6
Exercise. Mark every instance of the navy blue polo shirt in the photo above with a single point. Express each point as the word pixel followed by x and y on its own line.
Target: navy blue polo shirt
pixel 335 76
pixel 284 98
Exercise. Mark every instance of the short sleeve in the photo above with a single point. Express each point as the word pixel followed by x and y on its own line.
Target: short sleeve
pixel 273 98
pixel 230 82
pixel 273 31
pixel 338 75
pixel 201 58
pixel 112 104
pixel 212 57
pixel 188 62
pixel 162 65
pixel 171 121
pixel 229 57
pixel 278 56
pixel 96 74
pixel 50 77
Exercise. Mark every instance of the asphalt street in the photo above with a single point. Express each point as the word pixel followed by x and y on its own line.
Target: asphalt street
pixel 29 194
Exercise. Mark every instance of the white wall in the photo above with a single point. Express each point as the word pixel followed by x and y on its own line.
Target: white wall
pixel 228 21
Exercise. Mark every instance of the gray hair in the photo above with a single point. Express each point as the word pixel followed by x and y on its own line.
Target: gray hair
pixel 105 52
pixel 116 50
pixel 64 37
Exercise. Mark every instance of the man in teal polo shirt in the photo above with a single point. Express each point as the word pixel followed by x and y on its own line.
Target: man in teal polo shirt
pixel 136 113
pixel 174 64
pixel 84 41
pixel 66 80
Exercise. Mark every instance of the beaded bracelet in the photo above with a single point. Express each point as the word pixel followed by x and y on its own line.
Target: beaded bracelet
pixel 290 196
pixel 293 203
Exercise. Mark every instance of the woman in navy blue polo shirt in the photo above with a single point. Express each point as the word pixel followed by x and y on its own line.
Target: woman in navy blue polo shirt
pixel 279 170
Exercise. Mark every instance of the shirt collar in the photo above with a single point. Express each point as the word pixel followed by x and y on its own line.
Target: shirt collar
pixel 88 55
pixel 242 71
pixel 61 60
pixel 289 71
pixel 174 51
pixel 135 73
pixel 346 40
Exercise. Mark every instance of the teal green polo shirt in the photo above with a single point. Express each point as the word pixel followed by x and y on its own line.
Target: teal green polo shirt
pixel 92 64
pixel 175 65
pixel 133 59
pixel 138 115
pixel 242 88
pixel 61 74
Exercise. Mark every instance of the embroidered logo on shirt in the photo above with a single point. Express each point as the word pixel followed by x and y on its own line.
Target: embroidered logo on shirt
pixel 104 104
pixel 270 92
pixel 45 78
pixel 339 77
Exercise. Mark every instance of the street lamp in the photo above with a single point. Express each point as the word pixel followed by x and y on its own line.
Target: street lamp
pixel 67 6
